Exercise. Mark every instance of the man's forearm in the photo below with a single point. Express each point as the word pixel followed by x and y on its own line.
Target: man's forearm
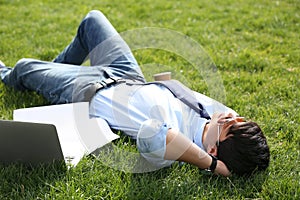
pixel 181 148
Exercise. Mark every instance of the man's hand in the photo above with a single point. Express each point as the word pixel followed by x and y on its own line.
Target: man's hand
pixel 221 169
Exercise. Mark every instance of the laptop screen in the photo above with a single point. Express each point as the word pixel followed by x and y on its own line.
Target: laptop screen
pixel 29 143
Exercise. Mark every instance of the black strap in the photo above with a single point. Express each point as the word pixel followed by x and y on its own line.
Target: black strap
pixel 107 82
pixel 92 88
pixel 179 90
pixel 213 164
pixel 184 94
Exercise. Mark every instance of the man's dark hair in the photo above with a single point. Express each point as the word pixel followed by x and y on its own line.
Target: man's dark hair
pixel 245 150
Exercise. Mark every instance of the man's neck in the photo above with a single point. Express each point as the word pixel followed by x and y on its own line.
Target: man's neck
pixel 204 134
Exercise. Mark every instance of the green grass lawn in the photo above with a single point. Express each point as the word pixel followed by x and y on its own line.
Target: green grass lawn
pixel 255 46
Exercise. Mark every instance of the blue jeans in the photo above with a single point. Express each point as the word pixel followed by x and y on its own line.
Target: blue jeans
pixel 64 80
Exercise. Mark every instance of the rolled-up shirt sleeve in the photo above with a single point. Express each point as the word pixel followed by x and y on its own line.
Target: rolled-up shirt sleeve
pixel 151 142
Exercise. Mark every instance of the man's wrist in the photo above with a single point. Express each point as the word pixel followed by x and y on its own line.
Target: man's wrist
pixel 213 164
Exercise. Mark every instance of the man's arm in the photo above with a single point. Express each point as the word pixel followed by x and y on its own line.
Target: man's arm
pixel 181 148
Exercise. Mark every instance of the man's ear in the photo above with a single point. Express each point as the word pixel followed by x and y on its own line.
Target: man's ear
pixel 213 150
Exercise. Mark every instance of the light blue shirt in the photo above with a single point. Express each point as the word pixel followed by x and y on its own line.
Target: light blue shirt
pixel 134 109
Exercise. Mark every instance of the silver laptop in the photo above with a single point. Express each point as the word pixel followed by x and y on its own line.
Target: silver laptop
pixel 29 143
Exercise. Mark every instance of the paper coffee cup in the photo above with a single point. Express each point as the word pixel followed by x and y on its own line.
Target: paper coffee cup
pixel 162 76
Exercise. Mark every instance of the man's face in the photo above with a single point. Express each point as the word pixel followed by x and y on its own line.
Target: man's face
pixel 218 130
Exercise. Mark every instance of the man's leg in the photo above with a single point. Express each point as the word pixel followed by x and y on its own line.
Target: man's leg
pixel 93 30
pixel 52 80
pixel 98 40
pixel 55 81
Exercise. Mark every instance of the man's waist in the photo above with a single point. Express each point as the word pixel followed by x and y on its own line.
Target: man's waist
pixel 116 81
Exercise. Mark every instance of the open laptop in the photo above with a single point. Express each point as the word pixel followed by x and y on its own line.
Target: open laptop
pixel 29 143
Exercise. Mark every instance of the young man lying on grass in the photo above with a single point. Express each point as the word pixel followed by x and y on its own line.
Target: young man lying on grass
pixel 166 129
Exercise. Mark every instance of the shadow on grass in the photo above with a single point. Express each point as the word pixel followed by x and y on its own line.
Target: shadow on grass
pixel 186 182
pixel 178 181
pixel 24 181
pixel 11 99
